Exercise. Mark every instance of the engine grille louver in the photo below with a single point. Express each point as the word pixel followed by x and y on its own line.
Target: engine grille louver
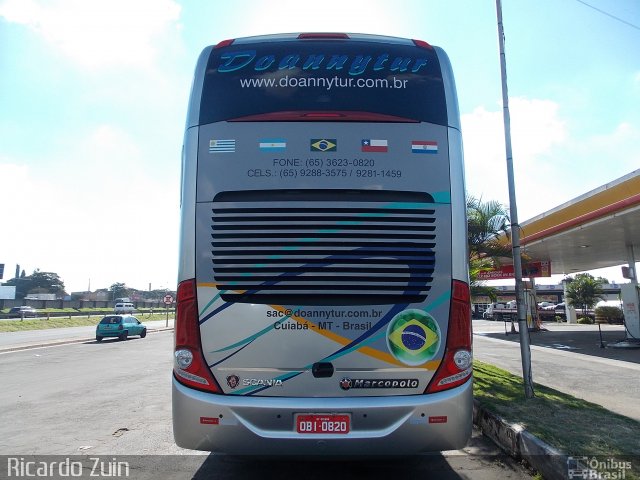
pixel 323 247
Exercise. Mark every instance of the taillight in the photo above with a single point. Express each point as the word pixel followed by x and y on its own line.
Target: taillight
pixel 456 366
pixel 189 365
pixel 422 44
pixel 224 43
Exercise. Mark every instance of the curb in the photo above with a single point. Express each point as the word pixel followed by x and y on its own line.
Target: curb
pixel 55 343
pixel 517 442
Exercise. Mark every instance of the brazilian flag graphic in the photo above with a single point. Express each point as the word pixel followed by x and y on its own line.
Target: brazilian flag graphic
pixel 324 145
pixel 413 337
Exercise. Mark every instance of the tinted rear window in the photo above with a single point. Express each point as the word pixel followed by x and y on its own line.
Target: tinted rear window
pixel 381 78
pixel 110 321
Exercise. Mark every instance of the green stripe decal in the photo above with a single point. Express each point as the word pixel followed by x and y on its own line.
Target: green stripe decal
pixel 442 197
pixel 206 307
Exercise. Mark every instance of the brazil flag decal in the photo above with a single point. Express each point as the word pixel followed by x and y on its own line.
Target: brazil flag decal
pixel 413 337
pixel 324 145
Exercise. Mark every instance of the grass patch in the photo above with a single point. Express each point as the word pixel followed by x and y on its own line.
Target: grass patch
pixel 572 425
pixel 63 322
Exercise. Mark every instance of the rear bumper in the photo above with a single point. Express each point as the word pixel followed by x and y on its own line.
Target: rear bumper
pixel 108 334
pixel 242 425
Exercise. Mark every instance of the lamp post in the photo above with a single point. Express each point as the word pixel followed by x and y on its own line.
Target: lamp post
pixel 525 351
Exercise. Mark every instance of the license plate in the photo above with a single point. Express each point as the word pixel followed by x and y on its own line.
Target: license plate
pixel 323 423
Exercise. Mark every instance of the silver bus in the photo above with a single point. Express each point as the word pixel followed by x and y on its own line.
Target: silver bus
pixel 323 301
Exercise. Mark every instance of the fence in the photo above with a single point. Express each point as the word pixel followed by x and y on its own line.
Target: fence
pixel 75 304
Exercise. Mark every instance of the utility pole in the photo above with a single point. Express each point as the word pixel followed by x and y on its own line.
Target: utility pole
pixel 525 350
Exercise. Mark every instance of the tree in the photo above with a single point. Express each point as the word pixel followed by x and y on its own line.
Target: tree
pixel 584 291
pixel 119 290
pixel 487 222
pixel 37 282
pixel 48 281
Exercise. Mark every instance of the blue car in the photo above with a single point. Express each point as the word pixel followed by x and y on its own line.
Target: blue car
pixel 121 326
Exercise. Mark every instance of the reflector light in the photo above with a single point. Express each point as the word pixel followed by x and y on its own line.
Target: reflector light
pixel 184 358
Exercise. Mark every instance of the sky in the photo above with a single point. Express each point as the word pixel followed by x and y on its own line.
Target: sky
pixel 93 97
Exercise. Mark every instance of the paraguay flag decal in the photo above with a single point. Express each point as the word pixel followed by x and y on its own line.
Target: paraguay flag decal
pixel 424 146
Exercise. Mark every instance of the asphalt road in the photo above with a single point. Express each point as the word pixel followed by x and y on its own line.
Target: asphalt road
pixel 26 338
pixel 111 400
pixel 569 358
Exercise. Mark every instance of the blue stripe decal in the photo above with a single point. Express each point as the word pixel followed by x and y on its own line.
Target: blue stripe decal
pixel 230 355
pixel 215 312
pixel 251 338
pixel 366 340
pixel 211 302
pixel 445 297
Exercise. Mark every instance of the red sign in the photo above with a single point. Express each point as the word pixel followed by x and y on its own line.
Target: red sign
pixel 529 270
pixel 209 421
pixel 438 419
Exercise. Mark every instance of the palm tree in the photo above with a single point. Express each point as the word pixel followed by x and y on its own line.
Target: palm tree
pixel 487 223
pixel 584 291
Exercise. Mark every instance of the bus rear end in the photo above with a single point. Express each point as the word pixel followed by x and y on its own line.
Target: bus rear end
pixel 323 303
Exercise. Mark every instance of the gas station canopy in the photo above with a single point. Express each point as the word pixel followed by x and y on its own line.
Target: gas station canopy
pixel 596 230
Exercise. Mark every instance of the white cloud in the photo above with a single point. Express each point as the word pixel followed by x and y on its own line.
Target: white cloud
pixel 98 34
pixel 101 201
pixel 598 159
pixel 536 129
pixel 130 207
pixel 552 163
pixel 30 210
pixel 108 218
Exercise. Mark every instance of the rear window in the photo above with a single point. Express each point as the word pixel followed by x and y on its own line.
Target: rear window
pixel 382 78
pixel 110 321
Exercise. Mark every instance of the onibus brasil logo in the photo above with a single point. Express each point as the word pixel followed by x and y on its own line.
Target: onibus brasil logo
pixel 413 337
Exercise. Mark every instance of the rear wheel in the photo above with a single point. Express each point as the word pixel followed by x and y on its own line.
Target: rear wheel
pixel 123 335
pixel 98 338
